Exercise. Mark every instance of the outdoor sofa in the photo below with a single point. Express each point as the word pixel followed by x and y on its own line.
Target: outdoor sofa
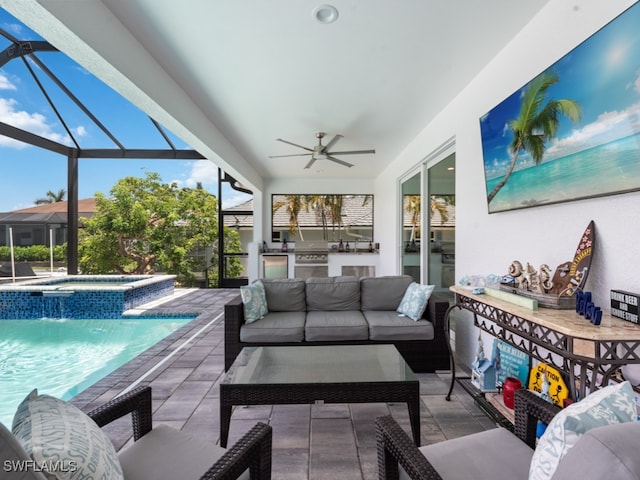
pixel 342 310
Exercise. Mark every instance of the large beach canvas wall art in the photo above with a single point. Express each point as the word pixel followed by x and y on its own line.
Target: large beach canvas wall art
pixel 573 132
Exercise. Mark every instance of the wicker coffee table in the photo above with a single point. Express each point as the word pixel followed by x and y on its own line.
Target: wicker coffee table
pixel 319 374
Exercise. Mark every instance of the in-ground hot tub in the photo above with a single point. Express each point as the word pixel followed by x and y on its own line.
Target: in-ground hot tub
pixel 81 296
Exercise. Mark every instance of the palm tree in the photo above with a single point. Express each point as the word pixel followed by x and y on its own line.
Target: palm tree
pixel 293 204
pixel 52 197
pixel 536 123
pixel 412 205
pixel 440 204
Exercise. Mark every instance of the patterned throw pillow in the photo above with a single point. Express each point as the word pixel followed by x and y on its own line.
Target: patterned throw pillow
pixel 254 300
pixel 64 442
pixel 607 406
pixel 415 300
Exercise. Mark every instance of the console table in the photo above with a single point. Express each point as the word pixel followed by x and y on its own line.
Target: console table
pixel 587 354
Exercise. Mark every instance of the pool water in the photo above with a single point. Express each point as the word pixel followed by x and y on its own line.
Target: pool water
pixel 64 357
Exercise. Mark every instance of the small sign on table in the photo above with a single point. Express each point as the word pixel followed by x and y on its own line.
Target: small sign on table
pixel 624 305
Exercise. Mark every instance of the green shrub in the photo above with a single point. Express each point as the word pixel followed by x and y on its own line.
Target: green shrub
pixel 34 253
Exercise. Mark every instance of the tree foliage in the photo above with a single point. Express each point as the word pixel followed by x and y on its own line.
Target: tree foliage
pixel 146 226
pixel 52 197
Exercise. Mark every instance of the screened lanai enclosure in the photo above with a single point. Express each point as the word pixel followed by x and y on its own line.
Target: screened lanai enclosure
pixel 67 95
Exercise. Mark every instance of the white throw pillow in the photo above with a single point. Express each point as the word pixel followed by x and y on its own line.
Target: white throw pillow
pixel 64 441
pixel 415 300
pixel 607 406
pixel 254 300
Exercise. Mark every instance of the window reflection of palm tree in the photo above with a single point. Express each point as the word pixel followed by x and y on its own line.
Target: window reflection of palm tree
pixel 536 123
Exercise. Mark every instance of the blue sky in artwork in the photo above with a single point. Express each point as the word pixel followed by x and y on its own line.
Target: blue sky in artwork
pixel 602 74
pixel 27 172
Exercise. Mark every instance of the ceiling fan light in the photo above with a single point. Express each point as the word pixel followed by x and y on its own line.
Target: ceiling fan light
pixel 325 14
pixel 320 156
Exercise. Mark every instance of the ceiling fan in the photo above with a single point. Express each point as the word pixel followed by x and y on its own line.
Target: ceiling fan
pixel 322 152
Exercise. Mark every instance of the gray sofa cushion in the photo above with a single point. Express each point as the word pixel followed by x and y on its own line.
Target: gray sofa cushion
pixel 12 451
pixel 275 327
pixel 332 325
pixel 189 457
pixel 497 453
pixel 391 326
pixel 285 294
pixel 333 293
pixel 603 452
pixel 383 293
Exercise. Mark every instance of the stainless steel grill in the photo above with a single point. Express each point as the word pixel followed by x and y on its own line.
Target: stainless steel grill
pixel 311 259
pixel 311 253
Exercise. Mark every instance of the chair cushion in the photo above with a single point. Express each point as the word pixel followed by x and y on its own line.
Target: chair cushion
pixel 331 325
pixel 391 326
pixel 494 454
pixel 415 299
pixel 383 293
pixel 603 452
pixel 169 454
pixel 285 294
pixel 607 406
pixel 13 456
pixel 254 300
pixel 275 327
pixel 333 293
pixel 50 429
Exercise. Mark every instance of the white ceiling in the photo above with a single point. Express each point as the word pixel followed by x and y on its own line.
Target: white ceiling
pixel 232 76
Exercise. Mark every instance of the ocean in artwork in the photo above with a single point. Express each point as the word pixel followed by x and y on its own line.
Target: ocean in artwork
pixel 606 169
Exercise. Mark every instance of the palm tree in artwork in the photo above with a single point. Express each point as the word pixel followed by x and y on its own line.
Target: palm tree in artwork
pixel 52 197
pixel 536 123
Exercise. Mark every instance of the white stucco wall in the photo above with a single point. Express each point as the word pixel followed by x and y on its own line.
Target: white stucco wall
pixel 548 234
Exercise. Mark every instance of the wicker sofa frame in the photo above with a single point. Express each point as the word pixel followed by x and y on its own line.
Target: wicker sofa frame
pixel 396 448
pixel 421 355
pixel 252 451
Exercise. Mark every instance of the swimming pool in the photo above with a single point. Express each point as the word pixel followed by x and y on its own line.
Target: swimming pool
pixel 81 296
pixel 64 357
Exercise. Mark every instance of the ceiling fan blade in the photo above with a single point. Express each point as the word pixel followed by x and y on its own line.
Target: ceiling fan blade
pixel 333 141
pixel 351 152
pixel 292 155
pixel 311 162
pixel 294 144
pixel 341 162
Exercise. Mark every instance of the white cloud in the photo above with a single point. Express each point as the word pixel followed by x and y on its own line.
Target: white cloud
pixel 31 122
pixel 80 131
pixel 609 126
pixel 202 171
pixel 5 83
pixel 235 200
pixel 15 28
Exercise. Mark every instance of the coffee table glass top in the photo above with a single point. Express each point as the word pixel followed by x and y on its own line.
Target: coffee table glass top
pixel 319 364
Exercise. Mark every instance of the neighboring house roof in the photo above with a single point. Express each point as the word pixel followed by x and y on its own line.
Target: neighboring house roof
pixel 436 218
pixel 49 212
pixel 241 220
pixel 355 215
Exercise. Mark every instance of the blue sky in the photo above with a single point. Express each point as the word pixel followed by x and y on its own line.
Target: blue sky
pixel 602 74
pixel 27 173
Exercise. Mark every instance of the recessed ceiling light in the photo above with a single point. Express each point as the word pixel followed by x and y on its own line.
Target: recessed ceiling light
pixel 325 14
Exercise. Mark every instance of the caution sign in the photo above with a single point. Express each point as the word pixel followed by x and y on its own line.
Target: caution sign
pixel 547 382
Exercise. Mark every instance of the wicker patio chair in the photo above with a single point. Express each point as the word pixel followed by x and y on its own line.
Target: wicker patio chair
pixel 252 451
pixel 157 453
pixel 493 454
